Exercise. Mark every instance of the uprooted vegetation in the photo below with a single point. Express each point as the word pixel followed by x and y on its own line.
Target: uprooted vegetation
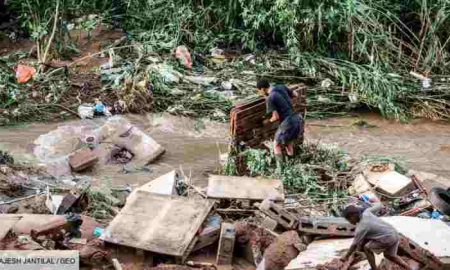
pixel 319 172
pixel 351 53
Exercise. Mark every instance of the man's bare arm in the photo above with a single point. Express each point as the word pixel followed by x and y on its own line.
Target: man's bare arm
pixel 275 117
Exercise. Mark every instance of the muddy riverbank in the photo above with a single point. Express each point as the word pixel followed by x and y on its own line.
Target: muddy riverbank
pixel 195 145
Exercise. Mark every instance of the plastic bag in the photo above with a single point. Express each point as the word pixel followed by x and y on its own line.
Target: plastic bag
pixel 86 111
pixel 184 56
pixel 24 73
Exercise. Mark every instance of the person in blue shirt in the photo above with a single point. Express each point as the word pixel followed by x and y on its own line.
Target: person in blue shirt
pixel 279 107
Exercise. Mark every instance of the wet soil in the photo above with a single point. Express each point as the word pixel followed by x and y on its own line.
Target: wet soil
pixel 422 144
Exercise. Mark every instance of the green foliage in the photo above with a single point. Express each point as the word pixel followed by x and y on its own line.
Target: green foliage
pixel 366 47
pixel 315 170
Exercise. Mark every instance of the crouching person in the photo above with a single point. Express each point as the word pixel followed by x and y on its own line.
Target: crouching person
pixel 373 235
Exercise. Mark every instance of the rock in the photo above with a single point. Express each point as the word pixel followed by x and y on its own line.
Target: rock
pixel 319 253
pixel 82 159
pixel 285 248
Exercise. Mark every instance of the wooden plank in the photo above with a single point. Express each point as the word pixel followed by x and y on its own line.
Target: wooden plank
pixel 158 223
pixel 7 222
pixel 231 187
pixel 246 120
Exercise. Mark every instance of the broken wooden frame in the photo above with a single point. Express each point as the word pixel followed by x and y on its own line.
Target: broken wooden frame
pixel 246 120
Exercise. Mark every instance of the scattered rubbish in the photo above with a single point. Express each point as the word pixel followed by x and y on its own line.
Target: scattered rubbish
pixel 6 158
pixel 158 223
pixel 120 155
pixel 98 231
pixel 327 83
pixel 184 56
pixel 436 215
pixel 226 85
pixel 210 233
pixel 369 197
pixel 200 80
pixel 100 108
pixel 53 202
pixel 121 133
pixel 226 244
pixel 440 198
pixel 24 73
pixel 426 82
pixel 231 187
pixel 86 111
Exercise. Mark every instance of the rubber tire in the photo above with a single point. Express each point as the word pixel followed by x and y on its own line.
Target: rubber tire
pixel 440 198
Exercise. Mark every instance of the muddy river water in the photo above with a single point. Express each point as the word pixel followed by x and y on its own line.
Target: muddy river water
pixel 195 146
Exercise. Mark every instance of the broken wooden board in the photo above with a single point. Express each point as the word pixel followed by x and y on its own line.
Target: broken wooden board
pixel 320 252
pixel 429 234
pixel 389 182
pixel 232 187
pixel 158 223
pixel 7 222
pixel 246 125
pixel 164 185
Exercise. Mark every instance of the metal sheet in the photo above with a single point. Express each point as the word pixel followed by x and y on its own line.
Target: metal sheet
pixel 231 187
pixel 158 223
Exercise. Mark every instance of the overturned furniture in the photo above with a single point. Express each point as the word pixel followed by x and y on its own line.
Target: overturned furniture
pixel 158 223
pixel 246 119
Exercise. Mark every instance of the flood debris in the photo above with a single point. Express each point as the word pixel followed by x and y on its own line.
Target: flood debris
pixel 226 244
pixel 72 148
pixel 332 226
pixel 168 223
pixel 223 187
pixel 246 123
pixel 82 159
pixel 288 220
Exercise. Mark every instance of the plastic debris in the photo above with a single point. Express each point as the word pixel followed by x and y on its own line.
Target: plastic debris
pixel 85 111
pixel 24 73
pixel 184 56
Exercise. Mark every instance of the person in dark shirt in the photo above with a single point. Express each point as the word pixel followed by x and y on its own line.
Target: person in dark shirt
pixel 279 106
pixel 373 235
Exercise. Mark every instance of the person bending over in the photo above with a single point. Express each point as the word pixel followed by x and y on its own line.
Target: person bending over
pixel 373 235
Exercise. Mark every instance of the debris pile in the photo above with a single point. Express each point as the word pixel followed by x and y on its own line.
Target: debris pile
pixel 72 148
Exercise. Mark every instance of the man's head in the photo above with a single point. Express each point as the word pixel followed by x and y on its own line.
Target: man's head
pixel 263 87
pixel 352 213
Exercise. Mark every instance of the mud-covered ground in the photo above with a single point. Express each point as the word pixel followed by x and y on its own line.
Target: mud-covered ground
pixel 194 146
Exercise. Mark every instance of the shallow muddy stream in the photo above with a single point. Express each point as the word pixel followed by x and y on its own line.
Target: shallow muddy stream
pixel 194 145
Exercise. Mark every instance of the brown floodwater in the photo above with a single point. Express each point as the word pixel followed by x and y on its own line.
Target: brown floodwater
pixel 194 146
